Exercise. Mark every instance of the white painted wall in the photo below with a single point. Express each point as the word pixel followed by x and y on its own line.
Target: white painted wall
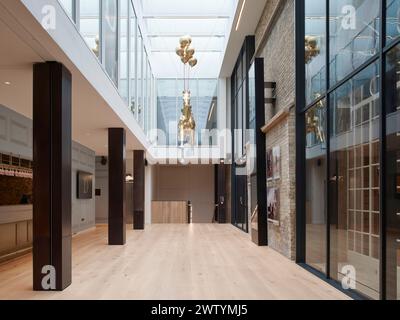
pixel 16 138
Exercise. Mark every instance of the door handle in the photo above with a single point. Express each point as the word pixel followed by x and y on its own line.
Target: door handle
pixel 398 241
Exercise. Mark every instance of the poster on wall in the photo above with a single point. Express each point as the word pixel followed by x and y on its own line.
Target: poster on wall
pixel 276 162
pixel 273 205
pixel 270 173
pixel 84 185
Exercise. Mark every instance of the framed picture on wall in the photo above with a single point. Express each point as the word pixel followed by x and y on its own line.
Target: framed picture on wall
pixel 270 172
pixel 84 185
pixel 276 162
pixel 273 204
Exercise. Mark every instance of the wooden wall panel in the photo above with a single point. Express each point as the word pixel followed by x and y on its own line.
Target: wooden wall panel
pixel 169 212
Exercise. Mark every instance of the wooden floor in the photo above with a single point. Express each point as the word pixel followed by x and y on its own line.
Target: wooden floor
pixel 173 262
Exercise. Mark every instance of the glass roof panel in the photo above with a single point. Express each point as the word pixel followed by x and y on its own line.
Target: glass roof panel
pixel 187 7
pixel 168 44
pixel 207 21
pixel 185 26
pixel 168 65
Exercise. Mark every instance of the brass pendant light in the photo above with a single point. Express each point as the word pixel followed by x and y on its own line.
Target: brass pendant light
pixel 187 124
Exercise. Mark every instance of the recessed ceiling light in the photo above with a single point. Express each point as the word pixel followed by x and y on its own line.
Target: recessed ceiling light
pixel 7 83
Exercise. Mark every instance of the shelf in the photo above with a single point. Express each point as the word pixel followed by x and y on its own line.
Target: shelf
pixel 278 118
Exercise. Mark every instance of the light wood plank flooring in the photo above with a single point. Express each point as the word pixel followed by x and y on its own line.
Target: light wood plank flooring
pixel 172 262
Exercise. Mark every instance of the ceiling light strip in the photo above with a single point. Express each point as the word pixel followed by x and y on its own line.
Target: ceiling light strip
pixel 240 15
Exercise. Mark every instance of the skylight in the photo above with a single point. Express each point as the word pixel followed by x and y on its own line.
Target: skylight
pixel 207 21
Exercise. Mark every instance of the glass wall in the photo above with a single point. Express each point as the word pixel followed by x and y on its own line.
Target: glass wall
pixel 110 38
pixel 355 160
pixel 69 7
pixel 133 59
pixel 316 164
pixel 110 29
pixel 89 24
pixel 352 144
pixel 139 77
pixel 354 35
pixel 204 99
pixel 167 111
pixel 242 118
pixel 123 83
pixel 392 197
pixel 392 20
pixel 315 44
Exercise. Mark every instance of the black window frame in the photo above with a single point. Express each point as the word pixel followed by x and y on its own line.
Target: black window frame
pixel 302 108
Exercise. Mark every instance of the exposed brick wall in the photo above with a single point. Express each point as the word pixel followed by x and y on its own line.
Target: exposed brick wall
pixel 278 53
pixel 275 43
pixel 266 20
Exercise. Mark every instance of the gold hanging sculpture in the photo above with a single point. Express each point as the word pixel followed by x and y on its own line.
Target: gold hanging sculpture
pixel 311 48
pixel 315 121
pixel 187 124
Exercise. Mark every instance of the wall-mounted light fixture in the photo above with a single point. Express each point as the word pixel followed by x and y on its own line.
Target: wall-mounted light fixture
pixel 270 93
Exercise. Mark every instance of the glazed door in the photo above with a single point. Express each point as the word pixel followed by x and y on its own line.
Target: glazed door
pixel 241 220
pixel 220 193
pixel 392 165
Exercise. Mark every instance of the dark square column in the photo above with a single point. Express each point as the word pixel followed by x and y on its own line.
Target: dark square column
pixel 116 186
pixel 138 189
pixel 52 144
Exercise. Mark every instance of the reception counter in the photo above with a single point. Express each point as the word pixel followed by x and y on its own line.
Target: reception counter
pixel 15 230
pixel 169 212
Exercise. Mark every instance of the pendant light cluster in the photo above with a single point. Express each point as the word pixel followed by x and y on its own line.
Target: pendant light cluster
pixel 187 124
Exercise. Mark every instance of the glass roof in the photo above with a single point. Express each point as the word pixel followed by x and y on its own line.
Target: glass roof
pixel 207 21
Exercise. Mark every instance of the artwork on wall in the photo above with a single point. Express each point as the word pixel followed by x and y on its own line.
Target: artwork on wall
pixel 273 205
pixel 276 162
pixel 270 173
pixel 85 185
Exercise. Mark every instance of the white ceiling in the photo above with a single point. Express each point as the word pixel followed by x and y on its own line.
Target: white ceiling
pixel 207 21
